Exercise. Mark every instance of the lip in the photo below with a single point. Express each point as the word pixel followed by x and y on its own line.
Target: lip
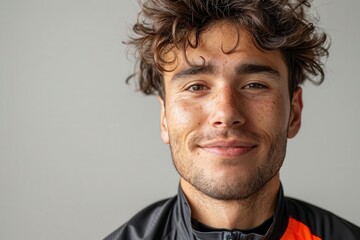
pixel 230 148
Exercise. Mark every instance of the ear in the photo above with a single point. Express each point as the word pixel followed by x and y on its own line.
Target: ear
pixel 164 133
pixel 295 114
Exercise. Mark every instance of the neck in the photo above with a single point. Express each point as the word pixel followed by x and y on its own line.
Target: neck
pixel 230 214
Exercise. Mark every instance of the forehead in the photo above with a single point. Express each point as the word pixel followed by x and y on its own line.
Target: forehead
pixel 223 44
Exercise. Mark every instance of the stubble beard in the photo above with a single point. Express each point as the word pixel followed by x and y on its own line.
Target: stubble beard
pixel 233 187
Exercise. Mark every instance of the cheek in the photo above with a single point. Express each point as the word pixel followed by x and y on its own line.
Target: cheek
pixel 271 114
pixel 184 115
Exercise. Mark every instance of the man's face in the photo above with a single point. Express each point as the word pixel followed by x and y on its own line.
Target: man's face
pixel 228 121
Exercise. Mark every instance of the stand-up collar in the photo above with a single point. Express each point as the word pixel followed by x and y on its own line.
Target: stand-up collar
pixel 275 231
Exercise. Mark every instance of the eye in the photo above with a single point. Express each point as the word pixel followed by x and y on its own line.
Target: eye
pixel 255 86
pixel 196 88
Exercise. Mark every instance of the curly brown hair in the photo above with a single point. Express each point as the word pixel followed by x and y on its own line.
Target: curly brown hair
pixel 275 24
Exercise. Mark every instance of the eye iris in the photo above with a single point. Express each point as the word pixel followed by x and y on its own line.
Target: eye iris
pixel 196 87
pixel 256 85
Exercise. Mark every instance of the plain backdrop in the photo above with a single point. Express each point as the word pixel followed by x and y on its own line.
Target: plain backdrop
pixel 80 151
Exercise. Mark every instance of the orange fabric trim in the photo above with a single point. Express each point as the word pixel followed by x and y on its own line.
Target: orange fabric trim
pixel 297 230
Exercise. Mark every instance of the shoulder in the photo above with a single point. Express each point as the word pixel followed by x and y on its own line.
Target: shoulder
pixel 320 222
pixel 147 224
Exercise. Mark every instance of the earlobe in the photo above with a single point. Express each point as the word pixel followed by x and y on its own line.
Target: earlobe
pixel 164 133
pixel 295 114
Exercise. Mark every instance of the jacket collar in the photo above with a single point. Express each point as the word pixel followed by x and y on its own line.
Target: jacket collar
pixel 276 230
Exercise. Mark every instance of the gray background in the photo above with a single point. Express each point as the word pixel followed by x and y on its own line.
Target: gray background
pixel 80 152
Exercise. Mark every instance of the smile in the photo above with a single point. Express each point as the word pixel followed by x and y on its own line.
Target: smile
pixel 228 149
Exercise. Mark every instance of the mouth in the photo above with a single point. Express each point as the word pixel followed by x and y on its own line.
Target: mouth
pixel 228 149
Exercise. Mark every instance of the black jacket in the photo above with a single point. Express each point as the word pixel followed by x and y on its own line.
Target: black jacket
pixel 293 219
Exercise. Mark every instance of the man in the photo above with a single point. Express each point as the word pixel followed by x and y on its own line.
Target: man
pixel 227 73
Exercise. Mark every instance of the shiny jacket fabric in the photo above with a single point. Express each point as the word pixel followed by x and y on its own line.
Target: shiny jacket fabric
pixel 293 219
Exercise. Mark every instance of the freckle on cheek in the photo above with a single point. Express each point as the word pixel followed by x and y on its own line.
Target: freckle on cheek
pixel 261 117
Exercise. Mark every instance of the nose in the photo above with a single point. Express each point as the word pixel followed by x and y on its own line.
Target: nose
pixel 226 109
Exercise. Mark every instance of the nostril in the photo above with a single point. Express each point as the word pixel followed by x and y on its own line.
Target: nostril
pixel 220 123
pixel 236 122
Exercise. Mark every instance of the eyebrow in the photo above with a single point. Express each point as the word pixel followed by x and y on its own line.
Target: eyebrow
pixel 256 68
pixel 247 68
pixel 194 70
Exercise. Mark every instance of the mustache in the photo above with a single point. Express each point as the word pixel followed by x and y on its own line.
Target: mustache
pixel 223 134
